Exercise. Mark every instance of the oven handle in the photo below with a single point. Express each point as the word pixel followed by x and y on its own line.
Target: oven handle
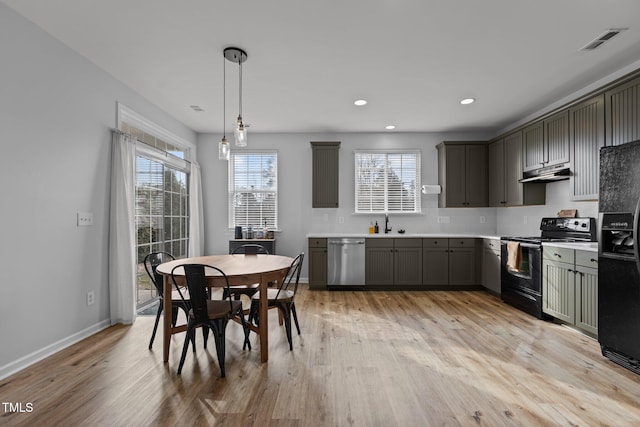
pixel 524 245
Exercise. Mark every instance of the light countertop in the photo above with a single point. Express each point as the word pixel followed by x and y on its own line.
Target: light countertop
pixel 404 235
pixel 581 246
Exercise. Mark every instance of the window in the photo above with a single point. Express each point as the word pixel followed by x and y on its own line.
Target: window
pixel 387 181
pixel 253 189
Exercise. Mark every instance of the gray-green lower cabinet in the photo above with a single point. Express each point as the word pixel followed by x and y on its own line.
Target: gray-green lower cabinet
pixel 317 257
pixel 570 287
pixel 491 265
pixel 435 261
pixel 462 262
pixel 449 262
pixel 393 261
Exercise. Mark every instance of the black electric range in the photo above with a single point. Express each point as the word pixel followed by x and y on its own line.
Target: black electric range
pixel 522 287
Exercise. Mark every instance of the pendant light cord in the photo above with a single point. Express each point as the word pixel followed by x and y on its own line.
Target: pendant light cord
pixel 240 62
pixel 224 97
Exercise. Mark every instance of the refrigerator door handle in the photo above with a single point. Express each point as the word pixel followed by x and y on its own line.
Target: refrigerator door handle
pixel 636 218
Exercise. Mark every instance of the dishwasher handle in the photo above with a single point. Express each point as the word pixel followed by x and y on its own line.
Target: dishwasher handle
pixel 343 243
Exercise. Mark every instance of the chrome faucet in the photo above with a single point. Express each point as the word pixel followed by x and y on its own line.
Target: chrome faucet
pixel 387 229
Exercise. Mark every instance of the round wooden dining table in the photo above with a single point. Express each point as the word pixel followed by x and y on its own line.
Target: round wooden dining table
pixel 240 269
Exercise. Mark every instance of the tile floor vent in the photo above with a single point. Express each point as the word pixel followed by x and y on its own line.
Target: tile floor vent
pixel 602 38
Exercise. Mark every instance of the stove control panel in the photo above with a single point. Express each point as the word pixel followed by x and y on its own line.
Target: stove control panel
pixel 568 224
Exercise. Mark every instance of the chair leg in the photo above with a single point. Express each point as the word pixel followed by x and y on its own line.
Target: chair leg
pixel 295 316
pixel 253 312
pixel 155 326
pixel 246 343
pixel 174 315
pixel 205 336
pixel 219 326
pixel 185 347
pixel 286 314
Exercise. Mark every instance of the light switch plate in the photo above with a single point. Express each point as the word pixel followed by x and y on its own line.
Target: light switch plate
pixel 444 220
pixel 85 219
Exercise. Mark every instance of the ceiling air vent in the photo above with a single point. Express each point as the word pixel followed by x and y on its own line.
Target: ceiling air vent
pixel 602 38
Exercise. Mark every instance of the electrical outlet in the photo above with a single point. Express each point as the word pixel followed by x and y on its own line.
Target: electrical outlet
pixel 85 219
pixel 524 219
pixel 483 219
pixel 444 220
pixel 90 298
pixel 341 219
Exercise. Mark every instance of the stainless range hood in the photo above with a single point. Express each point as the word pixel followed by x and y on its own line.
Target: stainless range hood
pixel 547 173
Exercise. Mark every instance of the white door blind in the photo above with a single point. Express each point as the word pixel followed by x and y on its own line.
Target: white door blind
pixel 387 181
pixel 253 189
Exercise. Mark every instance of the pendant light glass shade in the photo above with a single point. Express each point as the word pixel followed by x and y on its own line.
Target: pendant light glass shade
pixel 223 149
pixel 240 133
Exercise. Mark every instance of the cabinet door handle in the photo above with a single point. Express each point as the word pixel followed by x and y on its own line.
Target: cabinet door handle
pixel 594 260
pixel 557 254
pixel 571 271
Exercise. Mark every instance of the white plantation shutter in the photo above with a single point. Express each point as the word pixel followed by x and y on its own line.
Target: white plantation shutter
pixel 253 189
pixel 387 181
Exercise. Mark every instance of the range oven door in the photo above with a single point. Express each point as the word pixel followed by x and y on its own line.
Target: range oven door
pixel 523 288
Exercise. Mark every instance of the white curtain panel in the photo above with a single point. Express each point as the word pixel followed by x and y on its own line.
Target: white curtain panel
pixel 122 252
pixel 196 221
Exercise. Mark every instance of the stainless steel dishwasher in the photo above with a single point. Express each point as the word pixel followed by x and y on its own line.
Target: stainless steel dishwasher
pixel 345 262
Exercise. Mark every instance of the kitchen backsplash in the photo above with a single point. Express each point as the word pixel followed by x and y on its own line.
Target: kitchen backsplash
pixel 525 221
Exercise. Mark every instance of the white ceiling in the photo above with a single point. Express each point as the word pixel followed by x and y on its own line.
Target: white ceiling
pixel 413 60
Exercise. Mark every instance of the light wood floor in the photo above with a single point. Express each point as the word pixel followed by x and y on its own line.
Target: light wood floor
pixel 364 359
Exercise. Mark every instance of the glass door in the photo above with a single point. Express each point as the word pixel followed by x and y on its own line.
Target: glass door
pixel 162 217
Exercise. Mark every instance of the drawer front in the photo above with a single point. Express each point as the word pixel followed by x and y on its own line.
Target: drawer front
pixel 558 254
pixel 435 243
pixel 462 243
pixel 587 259
pixel 408 242
pixel 317 243
pixel 380 242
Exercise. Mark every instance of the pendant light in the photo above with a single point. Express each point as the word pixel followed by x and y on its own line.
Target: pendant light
pixel 238 56
pixel 223 145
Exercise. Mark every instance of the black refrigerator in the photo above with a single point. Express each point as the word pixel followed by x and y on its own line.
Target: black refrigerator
pixel 618 258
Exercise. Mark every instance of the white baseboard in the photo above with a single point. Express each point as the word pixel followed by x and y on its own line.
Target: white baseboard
pixel 38 355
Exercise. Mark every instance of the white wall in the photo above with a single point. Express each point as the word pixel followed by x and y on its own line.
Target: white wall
pixel 56 112
pixel 297 218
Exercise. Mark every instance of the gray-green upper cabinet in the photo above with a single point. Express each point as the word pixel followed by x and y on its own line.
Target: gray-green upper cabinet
pixel 546 142
pixel 622 106
pixel 586 136
pixel 325 174
pixel 505 172
pixel 533 146
pixel 462 174
pixel 497 196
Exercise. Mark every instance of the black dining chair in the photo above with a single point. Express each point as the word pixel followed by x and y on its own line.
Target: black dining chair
pixel 252 288
pixel 151 263
pixel 282 298
pixel 205 312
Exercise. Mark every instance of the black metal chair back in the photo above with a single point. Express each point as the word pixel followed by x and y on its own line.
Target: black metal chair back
pixel 151 263
pixel 292 278
pixel 198 289
pixel 250 249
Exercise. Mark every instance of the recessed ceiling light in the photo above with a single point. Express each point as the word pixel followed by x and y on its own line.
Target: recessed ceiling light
pixel 360 102
pixel 468 101
pixel 390 127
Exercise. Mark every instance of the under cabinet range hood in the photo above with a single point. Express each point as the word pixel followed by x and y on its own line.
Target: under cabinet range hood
pixel 547 173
